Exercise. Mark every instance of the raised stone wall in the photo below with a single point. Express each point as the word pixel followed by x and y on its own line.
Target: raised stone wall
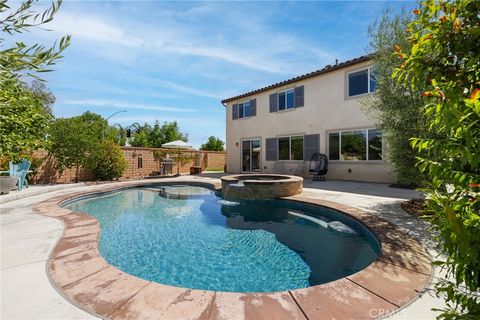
pixel 260 186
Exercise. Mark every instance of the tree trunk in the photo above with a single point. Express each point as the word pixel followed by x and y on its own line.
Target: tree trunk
pixel 77 171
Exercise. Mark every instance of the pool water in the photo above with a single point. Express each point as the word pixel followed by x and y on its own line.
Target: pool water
pixel 205 242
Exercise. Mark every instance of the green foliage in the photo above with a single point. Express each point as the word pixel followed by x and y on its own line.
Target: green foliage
pixel 86 141
pixel 108 161
pixel 23 121
pixel 183 158
pixel 73 140
pixel 140 139
pixel 444 59
pixel 40 90
pixel 395 108
pixel 24 111
pixel 118 134
pixel 213 144
pixel 158 155
pixel 154 137
pixel 22 59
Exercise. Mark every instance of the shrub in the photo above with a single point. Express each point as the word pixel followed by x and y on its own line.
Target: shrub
pixel 108 161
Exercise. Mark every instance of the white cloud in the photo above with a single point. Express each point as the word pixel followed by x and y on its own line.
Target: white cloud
pixel 91 28
pixel 258 49
pixel 186 89
pixel 123 105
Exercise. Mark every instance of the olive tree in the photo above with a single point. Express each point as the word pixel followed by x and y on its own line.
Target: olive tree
pixel 395 107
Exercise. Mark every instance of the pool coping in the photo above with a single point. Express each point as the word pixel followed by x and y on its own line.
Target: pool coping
pixel 77 270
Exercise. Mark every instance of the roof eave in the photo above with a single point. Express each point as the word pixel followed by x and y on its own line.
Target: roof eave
pixel 326 69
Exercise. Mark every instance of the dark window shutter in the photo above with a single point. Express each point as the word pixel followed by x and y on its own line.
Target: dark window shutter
pixel 299 97
pixel 253 107
pixel 235 111
pixel 271 149
pixel 273 102
pixel 312 145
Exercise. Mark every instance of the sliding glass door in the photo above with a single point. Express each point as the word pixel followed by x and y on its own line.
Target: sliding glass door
pixel 251 155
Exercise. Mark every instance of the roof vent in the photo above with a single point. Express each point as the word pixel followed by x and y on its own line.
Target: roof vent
pixel 336 62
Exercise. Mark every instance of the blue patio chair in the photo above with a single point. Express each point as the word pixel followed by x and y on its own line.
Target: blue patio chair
pixel 20 170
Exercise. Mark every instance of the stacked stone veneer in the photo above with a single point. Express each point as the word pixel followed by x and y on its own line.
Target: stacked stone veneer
pixel 250 189
pixel 47 173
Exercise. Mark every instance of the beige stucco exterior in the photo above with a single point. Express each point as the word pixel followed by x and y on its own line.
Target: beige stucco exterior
pixel 326 108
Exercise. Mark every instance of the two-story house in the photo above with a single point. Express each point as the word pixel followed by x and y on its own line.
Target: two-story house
pixel 276 129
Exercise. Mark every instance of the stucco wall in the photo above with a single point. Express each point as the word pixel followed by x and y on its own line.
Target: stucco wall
pixel 46 172
pixel 326 109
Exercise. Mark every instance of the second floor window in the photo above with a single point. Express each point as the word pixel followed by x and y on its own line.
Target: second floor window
pixel 286 100
pixel 244 109
pixel 361 82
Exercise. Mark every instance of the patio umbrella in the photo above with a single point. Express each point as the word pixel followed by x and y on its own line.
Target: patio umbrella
pixel 179 145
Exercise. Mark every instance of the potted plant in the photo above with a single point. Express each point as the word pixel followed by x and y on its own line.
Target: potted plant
pixel 7 183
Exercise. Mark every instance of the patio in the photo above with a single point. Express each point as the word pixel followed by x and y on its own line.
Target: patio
pixel 28 238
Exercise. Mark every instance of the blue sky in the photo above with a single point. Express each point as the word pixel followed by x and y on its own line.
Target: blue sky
pixel 176 60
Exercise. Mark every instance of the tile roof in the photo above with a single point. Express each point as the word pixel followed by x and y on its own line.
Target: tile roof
pixel 327 68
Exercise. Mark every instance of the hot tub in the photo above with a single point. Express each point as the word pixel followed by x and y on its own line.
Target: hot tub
pixel 260 186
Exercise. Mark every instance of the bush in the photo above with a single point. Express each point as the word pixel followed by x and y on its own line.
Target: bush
pixel 108 162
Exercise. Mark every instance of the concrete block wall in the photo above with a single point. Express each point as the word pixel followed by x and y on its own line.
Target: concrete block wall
pixel 46 172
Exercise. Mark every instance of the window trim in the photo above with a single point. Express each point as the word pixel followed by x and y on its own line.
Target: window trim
pixel 290 147
pixel 366 129
pixel 347 82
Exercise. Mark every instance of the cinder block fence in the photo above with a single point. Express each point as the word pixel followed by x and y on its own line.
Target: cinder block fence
pixel 141 164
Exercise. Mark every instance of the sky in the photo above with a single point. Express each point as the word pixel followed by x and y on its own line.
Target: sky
pixel 171 61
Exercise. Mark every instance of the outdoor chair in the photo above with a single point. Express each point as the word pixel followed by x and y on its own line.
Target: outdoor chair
pixel 318 166
pixel 21 171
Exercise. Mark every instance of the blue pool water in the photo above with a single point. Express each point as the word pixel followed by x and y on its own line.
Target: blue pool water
pixel 198 240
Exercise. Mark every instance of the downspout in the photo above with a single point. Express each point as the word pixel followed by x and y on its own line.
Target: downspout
pixel 225 166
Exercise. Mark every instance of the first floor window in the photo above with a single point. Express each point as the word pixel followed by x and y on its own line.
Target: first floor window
pixel 284 148
pixel 374 145
pixel 334 145
pixel 355 145
pixel 290 148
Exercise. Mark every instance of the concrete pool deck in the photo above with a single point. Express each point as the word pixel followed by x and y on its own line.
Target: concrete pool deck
pixel 27 240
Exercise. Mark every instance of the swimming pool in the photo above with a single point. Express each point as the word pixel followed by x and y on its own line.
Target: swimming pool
pixel 200 241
